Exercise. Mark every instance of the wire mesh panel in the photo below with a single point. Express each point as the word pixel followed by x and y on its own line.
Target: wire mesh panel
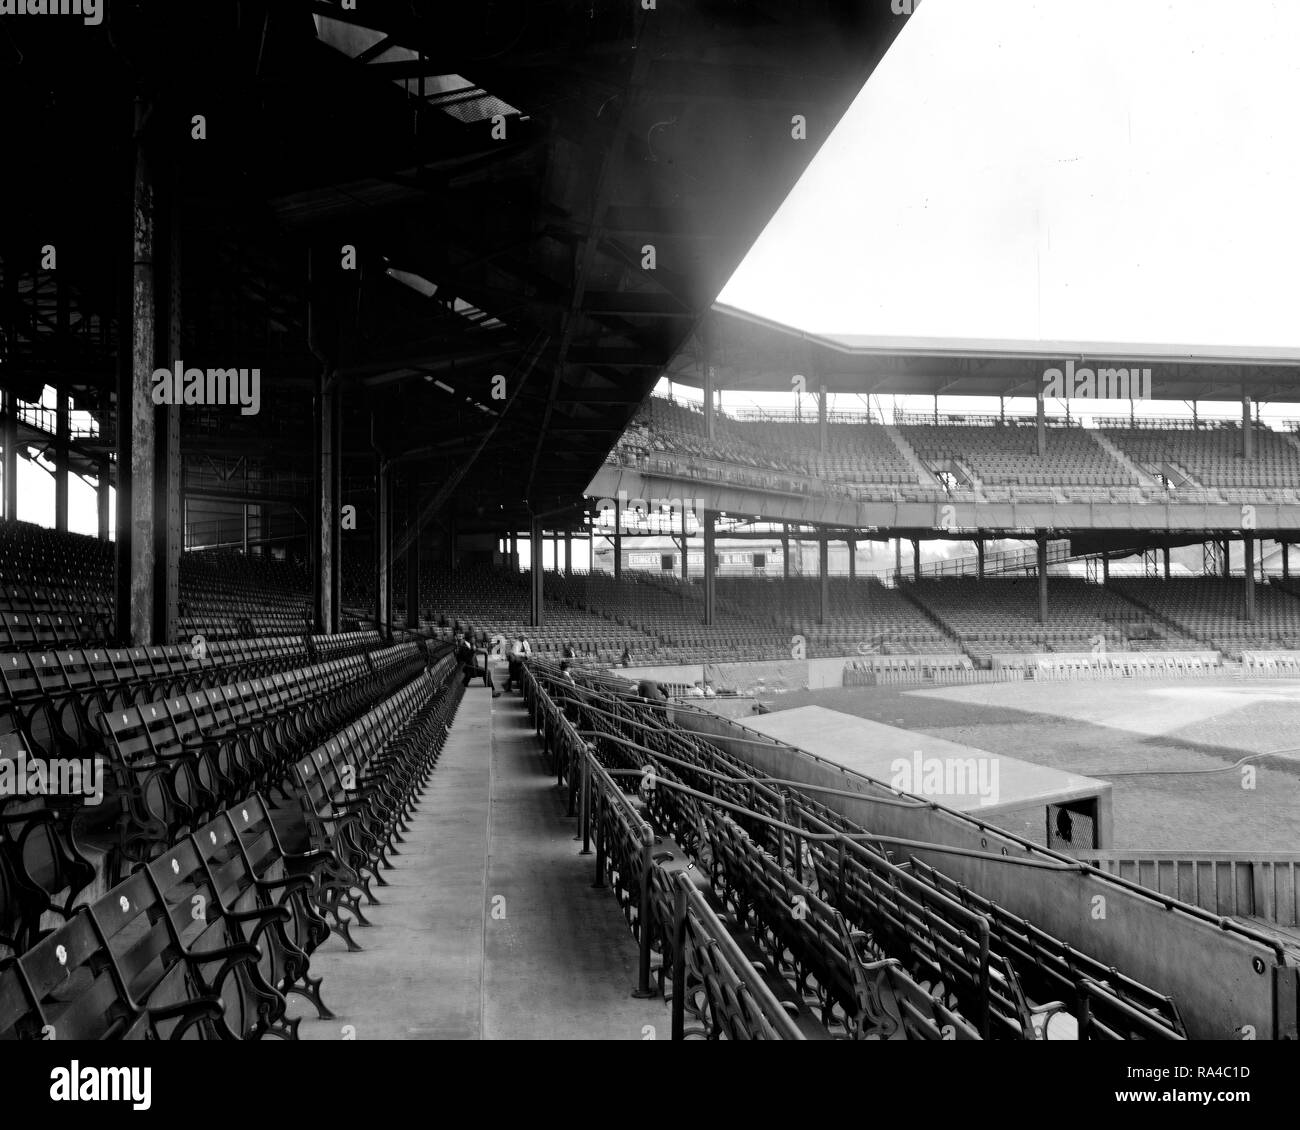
pixel 1071 826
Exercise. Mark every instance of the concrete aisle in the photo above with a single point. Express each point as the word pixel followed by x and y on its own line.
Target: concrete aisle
pixel 489 928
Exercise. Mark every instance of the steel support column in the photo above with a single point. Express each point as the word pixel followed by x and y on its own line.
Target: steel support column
pixel 383 548
pixel 135 607
pixel 709 568
pixel 916 559
pixel 103 519
pixel 535 577
pixel 10 441
pixel 823 576
pixel 1042 578
pixel 62 435
pixel 852 544
pixel 328 510
pixel 412 556
pixel 1248 575
pixel 1041 429
pixel 618 553
pixel 979 558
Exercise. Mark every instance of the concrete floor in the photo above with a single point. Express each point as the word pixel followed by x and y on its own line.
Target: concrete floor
pixel 490 928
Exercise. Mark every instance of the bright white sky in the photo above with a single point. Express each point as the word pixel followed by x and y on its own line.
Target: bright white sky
pixel 1121 171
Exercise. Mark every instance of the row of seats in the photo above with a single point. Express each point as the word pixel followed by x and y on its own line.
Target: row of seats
pixel 56 589
pixel 867 946
pixel 1079 462
pixel 1002 614
pixel 207 940
pixel 1212 610
pixel 169 738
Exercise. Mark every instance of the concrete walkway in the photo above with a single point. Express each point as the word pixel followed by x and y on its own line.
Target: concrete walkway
pixel 489 928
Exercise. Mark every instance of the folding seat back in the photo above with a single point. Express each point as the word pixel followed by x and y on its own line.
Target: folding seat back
pixel 73 988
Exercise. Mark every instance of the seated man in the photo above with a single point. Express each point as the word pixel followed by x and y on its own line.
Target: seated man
pixel 467 657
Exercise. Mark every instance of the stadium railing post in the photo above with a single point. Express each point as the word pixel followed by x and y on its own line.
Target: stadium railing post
pixel 643 990
pixel 679 961
pixel 600 840
pixel 586 800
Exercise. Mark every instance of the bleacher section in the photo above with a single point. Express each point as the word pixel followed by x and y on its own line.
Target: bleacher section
pixel 1211 456
pixel 864 617
pixel 1007 455
pixel 657 618
pixel 258 780
pixel 493 602
pixel 1167 460
pixel 1211 610
pixel 56 589
pixel 1001 614
pixel 850 941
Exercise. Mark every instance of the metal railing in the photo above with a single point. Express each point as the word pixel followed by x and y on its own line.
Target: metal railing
pixel 1240 884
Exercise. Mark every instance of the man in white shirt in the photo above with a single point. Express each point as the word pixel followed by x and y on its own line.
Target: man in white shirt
pixel 520 650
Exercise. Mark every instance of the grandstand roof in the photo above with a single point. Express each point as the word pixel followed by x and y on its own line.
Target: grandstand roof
pixel 477 255
pixel 752 353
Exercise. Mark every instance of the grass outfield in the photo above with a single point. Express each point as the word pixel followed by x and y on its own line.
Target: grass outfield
pixel 1191 731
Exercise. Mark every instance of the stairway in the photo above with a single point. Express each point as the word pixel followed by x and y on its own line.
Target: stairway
pixel 1123 460
pixel 923 474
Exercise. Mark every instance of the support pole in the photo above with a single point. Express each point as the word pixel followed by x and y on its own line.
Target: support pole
pixel 618 554
pixel 852 544
pixel 10 438
pixel 535 600
pixel 1286 560
pixel 167 528
pixel 134 603
pixel 103 519
pixel 413 556
pixel 979 558
pixel 1247 431
pixel 1105 568
pixel 383 544
pixel 1041 430
pixel 710 569
pixel 822 434
pixel 1248 575
pixel 823 576
pixel 62 435
pixel 686 551
pixel 1166 563
pixel 785 550
pixel 568 553
pixel 916 559
pixel 1042 578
